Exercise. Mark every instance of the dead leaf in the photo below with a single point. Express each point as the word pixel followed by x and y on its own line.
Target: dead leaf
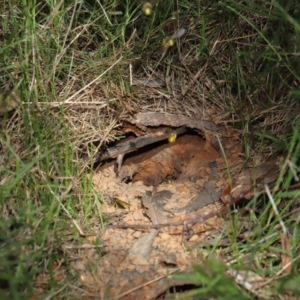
pixel 142 247
pixel 156 216
pixel 225 197
pixel 286 256
pixel 251 282
pixel 252 180
pixel 158 119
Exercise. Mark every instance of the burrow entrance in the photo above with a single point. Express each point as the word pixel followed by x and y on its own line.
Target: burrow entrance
pixel 160 183
pixel 182 173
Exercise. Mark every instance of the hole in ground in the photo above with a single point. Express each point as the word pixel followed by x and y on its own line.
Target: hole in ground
pixel 185 170
pixel 187 158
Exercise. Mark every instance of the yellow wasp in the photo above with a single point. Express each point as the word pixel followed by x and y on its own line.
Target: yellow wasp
pixel 147 8
pixel 118 203
pixel 172 137
pixel 170 41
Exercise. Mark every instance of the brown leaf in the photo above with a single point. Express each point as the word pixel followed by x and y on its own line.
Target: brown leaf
pixel 286 256
pixel 225 197
pixel 158 119
pixel 142 247
pixel 156 216
pixel 254 179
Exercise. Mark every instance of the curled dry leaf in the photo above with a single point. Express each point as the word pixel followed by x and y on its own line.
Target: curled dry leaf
pixel 252 180
pixel 156 216
pixel 158 119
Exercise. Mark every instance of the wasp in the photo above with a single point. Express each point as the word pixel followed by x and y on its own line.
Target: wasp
pixel 118 203
pixel 172 137
pixel 147 8
pixel 170 41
